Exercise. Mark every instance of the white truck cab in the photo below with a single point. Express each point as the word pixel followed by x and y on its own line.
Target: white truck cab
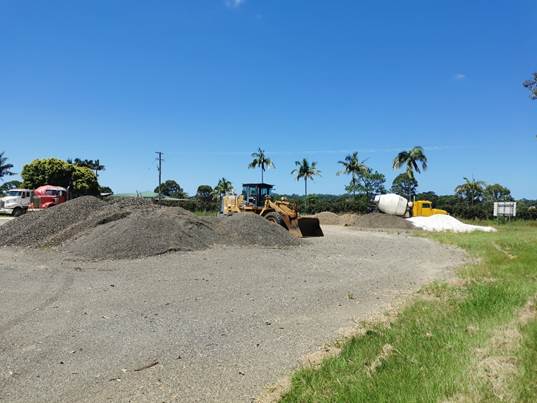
pixel 15 202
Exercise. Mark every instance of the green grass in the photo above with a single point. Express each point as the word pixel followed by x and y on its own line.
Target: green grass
pixel 433 341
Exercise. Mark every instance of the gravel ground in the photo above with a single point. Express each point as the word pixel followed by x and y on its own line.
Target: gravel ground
pixel 211 325
pixel 4 220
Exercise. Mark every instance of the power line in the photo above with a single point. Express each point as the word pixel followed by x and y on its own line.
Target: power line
pixel 159 167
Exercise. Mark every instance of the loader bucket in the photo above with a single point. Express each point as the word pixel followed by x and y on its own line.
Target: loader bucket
pixel 310 227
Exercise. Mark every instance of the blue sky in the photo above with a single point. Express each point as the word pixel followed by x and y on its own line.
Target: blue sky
pixel 208 81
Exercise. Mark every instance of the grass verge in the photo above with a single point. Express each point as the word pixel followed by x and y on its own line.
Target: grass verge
pixel 435 349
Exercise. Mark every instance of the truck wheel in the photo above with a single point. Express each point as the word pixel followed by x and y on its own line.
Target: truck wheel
pixel 275 218
pixel 17 212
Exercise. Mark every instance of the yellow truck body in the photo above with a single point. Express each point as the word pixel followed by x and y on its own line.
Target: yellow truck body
pixel 424 208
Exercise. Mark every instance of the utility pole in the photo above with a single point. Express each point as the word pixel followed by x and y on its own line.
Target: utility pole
pixel 159 159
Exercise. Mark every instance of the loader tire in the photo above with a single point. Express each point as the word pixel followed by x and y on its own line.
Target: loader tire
pixel 275 218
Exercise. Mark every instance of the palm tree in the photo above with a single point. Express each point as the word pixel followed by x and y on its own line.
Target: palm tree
pixel 354 167
pixel 5 168
pixel 97 166
pixel 305 171
pixel 412 159
pixel 91 164
pixel 224 186
pixel 471 190
pixel 262 161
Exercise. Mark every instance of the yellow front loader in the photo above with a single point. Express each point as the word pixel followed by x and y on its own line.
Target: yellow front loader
pixel 256 198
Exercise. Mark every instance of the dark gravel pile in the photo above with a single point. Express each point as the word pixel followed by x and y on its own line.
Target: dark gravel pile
pixel 251 229
pixel 328 218
pixel 144 233
pixel 44 227
pixel 132 228
pixel 380 221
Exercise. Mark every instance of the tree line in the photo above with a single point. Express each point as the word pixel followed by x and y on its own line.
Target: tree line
pixel 471 199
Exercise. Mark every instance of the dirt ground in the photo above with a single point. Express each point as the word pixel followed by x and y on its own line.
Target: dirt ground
pixel 212 325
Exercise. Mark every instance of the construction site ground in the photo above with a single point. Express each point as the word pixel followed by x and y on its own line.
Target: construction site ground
pixel 213 325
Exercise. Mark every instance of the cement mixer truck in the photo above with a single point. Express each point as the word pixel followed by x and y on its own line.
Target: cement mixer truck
pixel 397 205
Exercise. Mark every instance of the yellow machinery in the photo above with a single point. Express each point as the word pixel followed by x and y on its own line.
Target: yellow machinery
pixel 256 198
pixel 424 208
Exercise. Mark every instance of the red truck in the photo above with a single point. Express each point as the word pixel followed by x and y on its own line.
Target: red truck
pixel 47 196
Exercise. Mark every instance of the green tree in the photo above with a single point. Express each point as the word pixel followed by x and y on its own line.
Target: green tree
pixel 105 189
pixel 471 191
pixel 404 186
pixel 53 171
pixel 412 159
pixel 497 193
pixel 171 188
pixel 83 182
pixel 5 168
pixel 9 185
pixel 370 183
pixel 222 187
pixel 531 85
pixel 94 165
pixel 305 170
pixel 205 197
pixel 260 160
pixel 354 167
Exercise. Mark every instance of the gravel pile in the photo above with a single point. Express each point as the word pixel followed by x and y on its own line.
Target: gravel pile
pixel 349 219
pixel 44 228
pixel 373 220
pixel 440 222
pixel 382 221
pixel 145 232
pixel 251 229
pixel 132 228
pixel 328 218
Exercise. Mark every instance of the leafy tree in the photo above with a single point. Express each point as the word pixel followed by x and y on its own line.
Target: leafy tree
pixel 430 195
pixel 367 183
pixel 371 183
pixel 471 191
pixel 262 161
pixel 531 85
pixel 83 182
pixel 53 171
pixel 94 165
pixel 9 185
pixel 223 186
pixel 205 197
pixel 412 159
pixel 305 170
pixel 105 189
pixel 5 168
pixel 405 186
pixel 497 193
pixel 171 188
pixel 354 167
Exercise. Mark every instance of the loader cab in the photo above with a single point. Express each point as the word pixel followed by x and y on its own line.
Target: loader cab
pixel 255 193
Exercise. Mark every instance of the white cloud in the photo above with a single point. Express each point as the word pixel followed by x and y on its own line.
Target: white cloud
pixel 459 76
pixel 235 3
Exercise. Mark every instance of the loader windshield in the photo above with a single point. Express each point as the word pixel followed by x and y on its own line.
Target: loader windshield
pixel 255 193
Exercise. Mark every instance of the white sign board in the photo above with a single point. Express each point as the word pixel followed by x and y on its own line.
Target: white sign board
pixel 505 209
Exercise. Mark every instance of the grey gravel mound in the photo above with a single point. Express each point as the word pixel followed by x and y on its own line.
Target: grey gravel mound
pixel 251 229
pixel 381 221
pixel 42 228
pixel 328 218
pixel 142 233
pixel 133 228
pixel 372 220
